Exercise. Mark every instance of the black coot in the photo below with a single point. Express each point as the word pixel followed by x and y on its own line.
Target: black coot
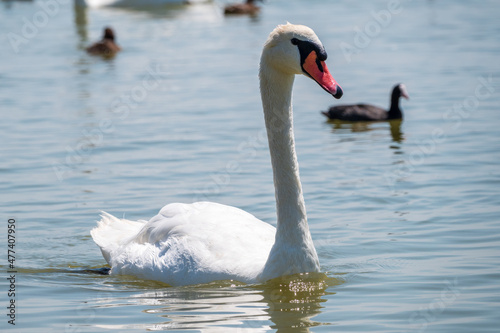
pixel 367 112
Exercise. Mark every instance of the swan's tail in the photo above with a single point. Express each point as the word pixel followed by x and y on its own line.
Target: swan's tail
pixel 112 232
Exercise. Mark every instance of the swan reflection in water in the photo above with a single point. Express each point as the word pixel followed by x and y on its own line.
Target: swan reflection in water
pixel 281 304
pixel 342 126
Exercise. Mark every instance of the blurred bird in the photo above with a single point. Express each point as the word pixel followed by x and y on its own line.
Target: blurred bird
pixel 367 112
pixel 242 8
pixel 106 46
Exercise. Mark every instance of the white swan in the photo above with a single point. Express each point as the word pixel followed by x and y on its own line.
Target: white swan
pixel 106 3
pixel 202 242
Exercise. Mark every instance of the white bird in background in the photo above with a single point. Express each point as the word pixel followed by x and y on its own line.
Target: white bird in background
pixel 205 241
pixel 107 3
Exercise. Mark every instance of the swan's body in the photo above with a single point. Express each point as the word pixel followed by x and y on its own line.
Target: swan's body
pixel 367 112
pixel 187 244
pixel 204 241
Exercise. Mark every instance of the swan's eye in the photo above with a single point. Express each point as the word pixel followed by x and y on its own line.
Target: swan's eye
pixel 295 41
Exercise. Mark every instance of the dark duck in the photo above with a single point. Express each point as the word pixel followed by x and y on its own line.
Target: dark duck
pixel 367 112
pixel 247 7
pixel 106 46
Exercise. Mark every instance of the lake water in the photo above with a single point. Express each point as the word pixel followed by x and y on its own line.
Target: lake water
pixel 405 216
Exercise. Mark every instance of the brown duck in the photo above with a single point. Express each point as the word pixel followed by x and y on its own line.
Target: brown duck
pixel 106 46
pixel 248 7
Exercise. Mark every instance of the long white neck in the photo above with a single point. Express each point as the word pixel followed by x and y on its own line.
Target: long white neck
pixel 293 251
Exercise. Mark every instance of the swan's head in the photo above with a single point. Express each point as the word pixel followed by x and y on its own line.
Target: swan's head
pixel 295 49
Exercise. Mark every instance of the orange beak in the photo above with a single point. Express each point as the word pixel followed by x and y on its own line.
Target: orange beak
pixel 318 71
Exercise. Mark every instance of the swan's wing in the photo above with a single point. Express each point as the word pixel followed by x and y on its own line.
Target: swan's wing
pixel 195 243
pixel 112 232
